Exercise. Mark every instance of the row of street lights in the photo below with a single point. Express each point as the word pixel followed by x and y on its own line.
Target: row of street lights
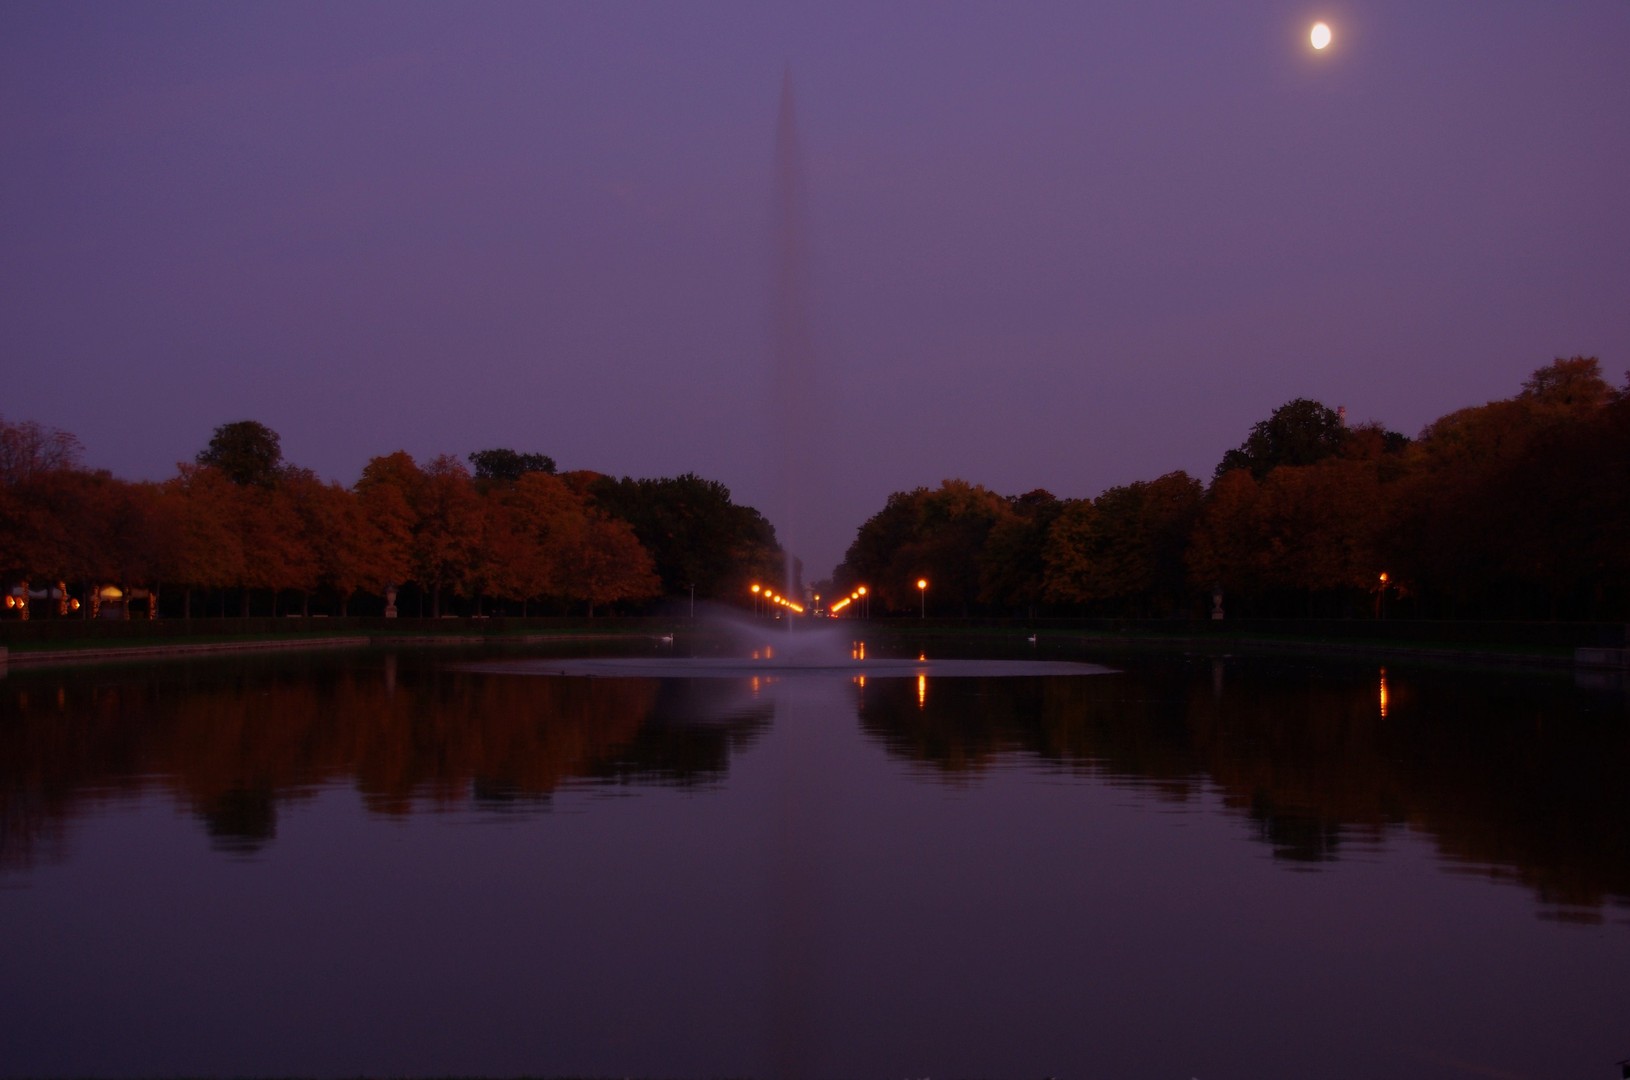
pixel 770 596
pixel 858 596
pixel 863 598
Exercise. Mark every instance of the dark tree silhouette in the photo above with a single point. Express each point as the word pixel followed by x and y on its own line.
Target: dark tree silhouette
pixel 1299 432
pixel 247 453
pixel 506 466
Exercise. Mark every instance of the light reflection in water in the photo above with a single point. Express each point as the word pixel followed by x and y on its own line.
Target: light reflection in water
pixel 1106 833
pixel 1383 693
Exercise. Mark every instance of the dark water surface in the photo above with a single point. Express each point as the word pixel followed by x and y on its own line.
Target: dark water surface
pixel 1192 867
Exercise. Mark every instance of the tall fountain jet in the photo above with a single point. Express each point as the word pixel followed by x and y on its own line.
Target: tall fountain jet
pixel 792 344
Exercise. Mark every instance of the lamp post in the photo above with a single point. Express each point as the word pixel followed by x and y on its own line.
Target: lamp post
pixel 922 594
pixel 755 589
pixel 865 602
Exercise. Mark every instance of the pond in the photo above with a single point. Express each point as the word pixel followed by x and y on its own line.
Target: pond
pixel 419 863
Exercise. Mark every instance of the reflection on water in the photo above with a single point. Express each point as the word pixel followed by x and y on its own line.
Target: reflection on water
pixel 1193 867
pixel 233 745
pixel 1506 775
pixel 1513 777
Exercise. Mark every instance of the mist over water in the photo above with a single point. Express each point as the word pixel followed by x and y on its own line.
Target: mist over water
pixel 814 642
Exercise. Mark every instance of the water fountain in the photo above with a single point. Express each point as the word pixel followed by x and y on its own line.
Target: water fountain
pixel 791 343
pixel 733 647
pixel 746 648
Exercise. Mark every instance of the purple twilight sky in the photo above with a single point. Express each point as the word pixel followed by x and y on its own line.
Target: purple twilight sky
pixel 1064 245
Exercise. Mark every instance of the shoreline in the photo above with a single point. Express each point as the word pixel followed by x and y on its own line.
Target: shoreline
pixel 1606 661
pixel 100 654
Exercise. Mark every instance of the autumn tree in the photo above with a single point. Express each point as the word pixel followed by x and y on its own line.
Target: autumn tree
pixel 1126 547
pixel 204 542
pixel 1574 385
pixel 130 532
pixel 600 561
pixel 333 534
pixel 387 493
pixel 526 526
pixel 1319 528
pixel 1227 549
pixel 39 468
pixel 447 531
pixel 1067 554
pixel 1508 498
pixel 61 523
pixel 1013 564
pixel 29 449
pixel 269 533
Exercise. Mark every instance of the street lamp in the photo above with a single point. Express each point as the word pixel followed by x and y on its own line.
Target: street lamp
pixel 865 604
pixel 922 593
pixel 755 597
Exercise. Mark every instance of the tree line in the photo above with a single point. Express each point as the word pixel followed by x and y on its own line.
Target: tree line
pixel 1516 508
pixel 240 530
pixel 1519 508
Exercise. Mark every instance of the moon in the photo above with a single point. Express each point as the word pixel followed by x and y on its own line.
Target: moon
pixel 1320 36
